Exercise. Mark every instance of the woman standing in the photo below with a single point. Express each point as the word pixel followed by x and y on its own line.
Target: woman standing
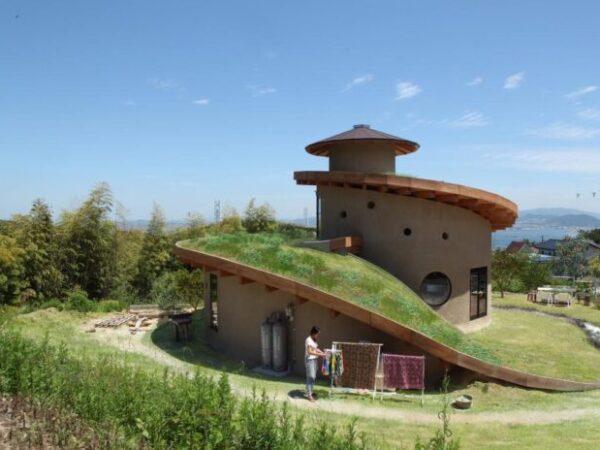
pixel 311 355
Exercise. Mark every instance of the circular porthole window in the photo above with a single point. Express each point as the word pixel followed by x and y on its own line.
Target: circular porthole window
pixel 436 289
pixel 371 205
pixel 445 236
pixel 343 214
pixel 407 232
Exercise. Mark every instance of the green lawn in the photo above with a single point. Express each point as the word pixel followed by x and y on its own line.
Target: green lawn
pixel 348 277
pixel 576 311
pixel 541 345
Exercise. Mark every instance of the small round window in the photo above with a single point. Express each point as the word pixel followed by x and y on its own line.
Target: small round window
pixel 445 236
pixel 407 232
pixel 371 205
pixel 436 289
pixel 343 214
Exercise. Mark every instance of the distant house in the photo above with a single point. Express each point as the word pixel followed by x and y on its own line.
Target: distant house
pixel 550 247
pixel 520 246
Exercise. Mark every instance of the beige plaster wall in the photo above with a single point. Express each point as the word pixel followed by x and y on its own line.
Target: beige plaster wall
pixel 243 308
pixel 411 258
pixel 369 158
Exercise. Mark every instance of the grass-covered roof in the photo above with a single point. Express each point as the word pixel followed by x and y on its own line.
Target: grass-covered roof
pixel 348 277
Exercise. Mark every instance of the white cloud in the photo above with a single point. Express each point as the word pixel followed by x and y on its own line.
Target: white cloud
pixel 470 119
pixel 566 160
pixel 406 89
pixel 589 114
pixel 164 85
pixel 257 91
pixel 514 81
pixel 559 130
pixel 201 101
pixel 475 81
pixel 358 81
pixel 581 92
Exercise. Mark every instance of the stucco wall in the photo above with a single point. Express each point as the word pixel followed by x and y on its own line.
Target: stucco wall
pixel 364 157
pixel 243 308
pixel 411 258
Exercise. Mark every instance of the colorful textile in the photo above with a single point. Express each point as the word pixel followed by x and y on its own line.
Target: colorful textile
pixel 359 364
pixel 325 365
pixel 403 372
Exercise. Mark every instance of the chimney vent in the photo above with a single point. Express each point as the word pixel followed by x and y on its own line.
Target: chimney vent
pixel 361 125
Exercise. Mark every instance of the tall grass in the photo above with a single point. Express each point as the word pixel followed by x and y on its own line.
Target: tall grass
pixel 146 409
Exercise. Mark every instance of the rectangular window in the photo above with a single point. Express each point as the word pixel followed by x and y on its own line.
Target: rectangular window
pixel 479 292
pixel 213 297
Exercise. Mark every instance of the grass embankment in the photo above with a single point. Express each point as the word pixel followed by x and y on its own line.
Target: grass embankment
pixel 577 310
pixel 541 345
pixel 347 277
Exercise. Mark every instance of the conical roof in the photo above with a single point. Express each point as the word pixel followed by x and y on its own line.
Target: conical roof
pixel 362 133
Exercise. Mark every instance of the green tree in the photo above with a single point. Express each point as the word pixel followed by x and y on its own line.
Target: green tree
pixel 37 237
pixel 593 235
pixel 534 274
pixel 155 254
pixel 505 268
pixel 570 258
pixel 165 291
pixel 88 244
pixel 12 272
pixel 190 284
pixel 259 218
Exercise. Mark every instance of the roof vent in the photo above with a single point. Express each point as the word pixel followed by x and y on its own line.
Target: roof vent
pixel 362 125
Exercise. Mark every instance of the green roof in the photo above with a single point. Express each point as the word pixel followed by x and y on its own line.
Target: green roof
pixel 350 278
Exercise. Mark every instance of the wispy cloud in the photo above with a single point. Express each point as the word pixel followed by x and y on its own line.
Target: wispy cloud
pixel 589 114
pixel 581 92
pixel 514 81
pixel 564 160
pixel 470 119
pixel 559 130
pixel 129 103
pixel 257 91
pixel 407 89
pixel 358 81
pixel 201 101
pixel 475 81
pixel 164 85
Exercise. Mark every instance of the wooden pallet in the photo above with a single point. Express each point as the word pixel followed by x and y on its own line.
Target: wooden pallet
pixel 114 322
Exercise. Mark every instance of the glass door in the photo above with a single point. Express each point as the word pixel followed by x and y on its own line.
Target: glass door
pixel 479 292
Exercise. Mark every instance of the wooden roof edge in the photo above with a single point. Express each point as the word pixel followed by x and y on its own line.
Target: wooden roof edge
pixel 465 197
pixel 389 326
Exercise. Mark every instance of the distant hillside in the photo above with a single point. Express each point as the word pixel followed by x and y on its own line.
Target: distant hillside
pixel 564 220
pixel 556 212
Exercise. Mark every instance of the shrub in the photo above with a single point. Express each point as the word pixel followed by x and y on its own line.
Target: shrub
pixel 77 300
pixel 105 306
pixel 165 291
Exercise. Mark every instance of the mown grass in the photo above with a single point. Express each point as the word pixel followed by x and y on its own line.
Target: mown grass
pixel 541 345
pixel 589 314
pixel 348 277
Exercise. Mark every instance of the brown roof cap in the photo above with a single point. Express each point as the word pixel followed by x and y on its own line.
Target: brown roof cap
pixel 362 133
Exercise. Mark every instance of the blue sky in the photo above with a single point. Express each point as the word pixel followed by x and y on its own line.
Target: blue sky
pixel 187 102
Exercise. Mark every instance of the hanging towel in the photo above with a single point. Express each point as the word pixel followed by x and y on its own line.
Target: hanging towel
pixel 325 365
pixel 359 364
pixel 403 372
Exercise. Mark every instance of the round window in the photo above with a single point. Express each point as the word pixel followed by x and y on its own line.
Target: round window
pixel 343 214
pixel 436 289
pixel 407 232
pixel 371 205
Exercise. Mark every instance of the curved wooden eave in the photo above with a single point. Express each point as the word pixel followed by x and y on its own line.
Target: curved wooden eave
pixel 448 354
pixel 499 211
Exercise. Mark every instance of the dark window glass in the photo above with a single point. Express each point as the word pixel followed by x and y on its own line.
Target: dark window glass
pixel 371 205
pixel 407 232
pixel 445 236
pixel 479 297
pixel 343 214
pixel 436 289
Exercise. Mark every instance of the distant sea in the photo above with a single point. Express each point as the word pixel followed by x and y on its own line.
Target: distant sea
pixel 504 237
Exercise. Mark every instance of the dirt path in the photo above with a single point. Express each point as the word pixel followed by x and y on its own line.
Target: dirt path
pixel 124 341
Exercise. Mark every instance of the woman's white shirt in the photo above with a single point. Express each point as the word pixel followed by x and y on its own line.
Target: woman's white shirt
pixel 310 342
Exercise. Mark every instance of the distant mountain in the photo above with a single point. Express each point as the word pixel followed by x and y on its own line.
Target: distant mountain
pixel 563 220
pixel 556 212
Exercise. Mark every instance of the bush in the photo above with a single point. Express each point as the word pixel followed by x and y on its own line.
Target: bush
pixel 165 291
pixel 105 306
pixel 156 410
pixel 77 300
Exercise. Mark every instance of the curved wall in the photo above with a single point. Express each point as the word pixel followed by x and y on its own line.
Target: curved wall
pixel 411 258
pixel 362 157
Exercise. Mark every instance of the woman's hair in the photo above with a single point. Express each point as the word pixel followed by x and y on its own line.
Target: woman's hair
pixel 314 330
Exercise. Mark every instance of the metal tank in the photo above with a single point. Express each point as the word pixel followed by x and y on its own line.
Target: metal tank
pixel 280 346
pixel 266 343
